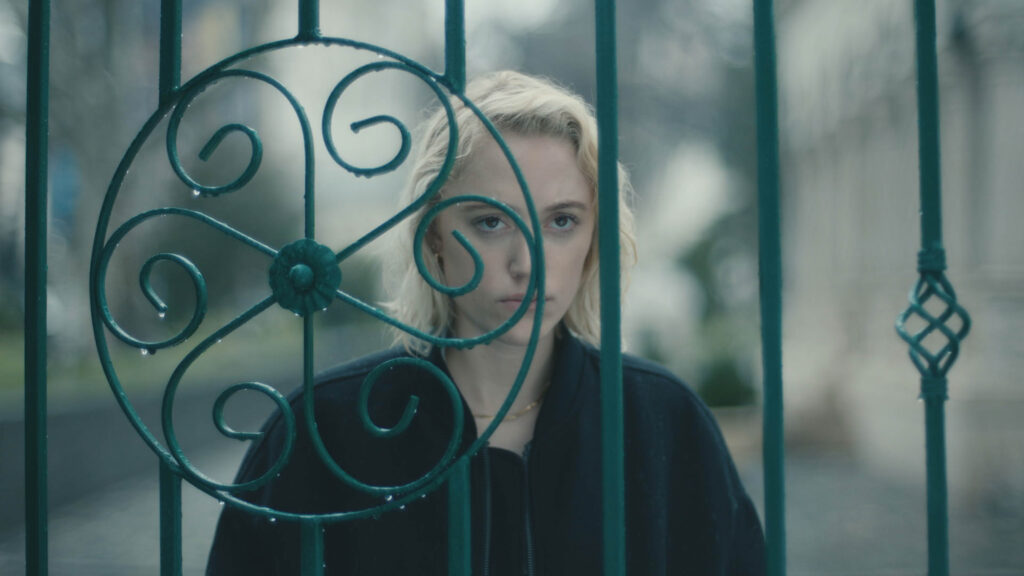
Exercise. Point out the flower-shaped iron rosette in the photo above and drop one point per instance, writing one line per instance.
(303, 277)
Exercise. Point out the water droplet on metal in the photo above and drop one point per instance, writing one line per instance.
(196, 193)
(161, 315)
(144, 351)
(273, 520)
(389, 498)
(402, 507)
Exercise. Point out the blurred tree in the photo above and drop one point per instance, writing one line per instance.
(104, 58)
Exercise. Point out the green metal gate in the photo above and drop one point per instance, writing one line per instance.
(297, 261)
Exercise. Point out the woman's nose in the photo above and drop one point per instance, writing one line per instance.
(520, 262)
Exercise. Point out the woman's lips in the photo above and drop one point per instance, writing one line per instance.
(517, 301)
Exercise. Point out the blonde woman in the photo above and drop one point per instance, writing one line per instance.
(535, 486)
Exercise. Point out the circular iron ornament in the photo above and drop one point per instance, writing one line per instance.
(304, 276)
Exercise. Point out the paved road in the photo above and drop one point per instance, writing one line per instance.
(842, 521)
(116, 532)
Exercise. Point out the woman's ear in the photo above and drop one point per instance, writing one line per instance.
(433, 241)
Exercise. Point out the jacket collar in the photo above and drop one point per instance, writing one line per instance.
(562, 399)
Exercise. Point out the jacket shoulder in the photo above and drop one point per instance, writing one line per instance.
(640, 375)
(332, 387)
(636, 368)
(655, 386)
(358, 368)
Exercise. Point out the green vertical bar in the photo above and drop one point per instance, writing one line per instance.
(612, 462)
(928, 126)
(455, 44)
(460, 550)
(170, 49)
(931, 260)
(935, 461)
(36, 143)
(312, 534)
(770, 265)
(309, 19)
(312, 553)
(170, 483)
(170, 521)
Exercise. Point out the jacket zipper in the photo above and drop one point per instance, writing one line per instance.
(528, 522)
(487, 511)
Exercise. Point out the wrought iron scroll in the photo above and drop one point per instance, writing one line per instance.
(303, 277)
(932, 288)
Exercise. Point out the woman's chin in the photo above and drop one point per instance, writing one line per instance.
(521, 333)
(518, 335)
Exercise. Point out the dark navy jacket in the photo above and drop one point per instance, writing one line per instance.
(686, 511)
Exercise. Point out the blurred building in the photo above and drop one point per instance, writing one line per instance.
(851, 231)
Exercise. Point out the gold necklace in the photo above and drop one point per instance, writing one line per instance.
(516, 415)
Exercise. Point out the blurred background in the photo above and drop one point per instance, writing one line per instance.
(854, 430)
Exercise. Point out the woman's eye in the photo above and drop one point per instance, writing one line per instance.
(562, 222)
(489, 223)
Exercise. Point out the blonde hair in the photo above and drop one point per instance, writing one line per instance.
(514, 103)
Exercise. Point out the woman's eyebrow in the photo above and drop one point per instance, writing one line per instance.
(472, 207)
(567, 205)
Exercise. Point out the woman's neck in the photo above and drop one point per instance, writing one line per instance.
(486, 373)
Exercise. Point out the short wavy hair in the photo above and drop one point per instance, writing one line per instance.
(524, 105)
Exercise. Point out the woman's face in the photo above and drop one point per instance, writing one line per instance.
(564, 203)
